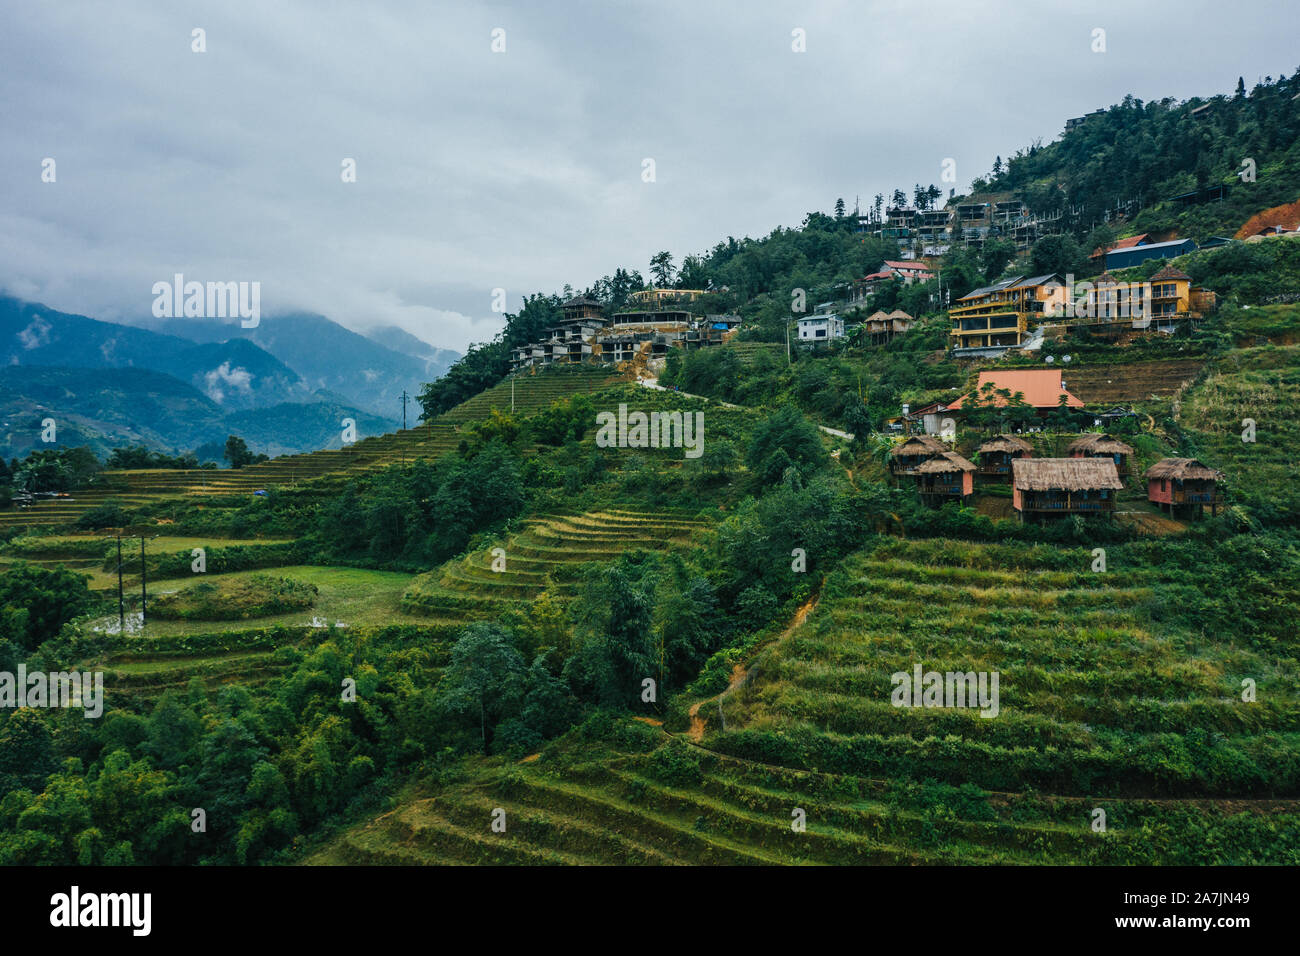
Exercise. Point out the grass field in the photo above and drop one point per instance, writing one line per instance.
(354, 596)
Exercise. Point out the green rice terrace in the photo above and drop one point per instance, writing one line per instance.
(545, 556)
(1100, 697)
(413, 640)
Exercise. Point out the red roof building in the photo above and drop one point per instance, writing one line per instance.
(1139, 240)
(1041, 388)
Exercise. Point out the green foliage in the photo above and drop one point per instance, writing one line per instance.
(424, 512)
(1157, 150)
(139, 456)
(237, 453)
(784, 440)
(109, 514)
(496, 698)
(56, 470)
(1060, 254)
(36, 602)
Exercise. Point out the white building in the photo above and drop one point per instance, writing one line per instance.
(821, 328)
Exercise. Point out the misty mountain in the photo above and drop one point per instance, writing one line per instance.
(234, 375)
(436, 360)
(106, 408)
(329, 357)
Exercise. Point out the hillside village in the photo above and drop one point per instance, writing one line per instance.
(1029, 434)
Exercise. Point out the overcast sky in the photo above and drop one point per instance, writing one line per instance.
(522, 170)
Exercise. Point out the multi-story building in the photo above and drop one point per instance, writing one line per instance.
(1001, 315)
(820, 328)
(569, 340)
(906, 271)
(1163, 302)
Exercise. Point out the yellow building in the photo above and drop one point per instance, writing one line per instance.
(1167, 294)
(1171, 292)
(1002, 314)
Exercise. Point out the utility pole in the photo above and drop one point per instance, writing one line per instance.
(144, 595)
(121, 612)
(399, 443)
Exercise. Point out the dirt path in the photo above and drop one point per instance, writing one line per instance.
(740, 673)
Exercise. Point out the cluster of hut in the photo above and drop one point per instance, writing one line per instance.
(1085, 482)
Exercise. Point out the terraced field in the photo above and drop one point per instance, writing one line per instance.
(1131, 382)
(532, 393)
(547, 553)
(165, 654)
(1094, 690)
(1262, 385)
(749, 352)
(1101, 707)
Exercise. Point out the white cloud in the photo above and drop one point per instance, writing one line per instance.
(222, 377)
(521, 170)
(36, 334)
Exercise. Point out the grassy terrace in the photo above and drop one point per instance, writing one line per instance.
(166, 655)
(353, 596)
(626, 807)
(548, 552)
(95, 555)
(1263, 385)
(1097, 697)
(1101, 706)
(533, 393)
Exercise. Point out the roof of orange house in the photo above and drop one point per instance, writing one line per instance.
(1041, 387)
(914, 265)
(1128, 243)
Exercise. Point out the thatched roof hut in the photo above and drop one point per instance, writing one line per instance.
(1065, 474)
(1098, 443)
(1183, 469)
(947, 463)
(918, 445)
(1006, 443)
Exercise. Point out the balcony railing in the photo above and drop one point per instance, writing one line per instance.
(941, 490)
(1066, 506)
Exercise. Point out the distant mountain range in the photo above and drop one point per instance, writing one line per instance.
(185, 384)
(327, 356)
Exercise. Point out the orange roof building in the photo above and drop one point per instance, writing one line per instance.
(1042, 388)
(1141, 239)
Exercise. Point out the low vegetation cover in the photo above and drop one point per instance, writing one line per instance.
(258, 595)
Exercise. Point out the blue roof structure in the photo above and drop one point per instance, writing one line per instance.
(1123, 258)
